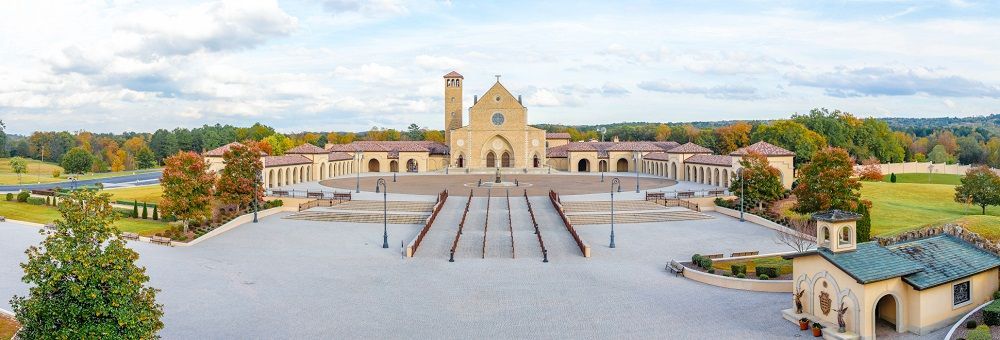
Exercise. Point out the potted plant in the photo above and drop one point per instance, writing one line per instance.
(803, 324)
(817, 329)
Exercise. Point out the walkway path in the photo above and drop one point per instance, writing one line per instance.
(437, 243)
(498, 242)
(558, 241)
(525, 241)
(470, 246)
(152, 177)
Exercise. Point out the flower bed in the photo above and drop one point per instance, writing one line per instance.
(777, 268)
(977, 319)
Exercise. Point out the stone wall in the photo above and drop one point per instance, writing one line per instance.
(922, 168)
(951, 229)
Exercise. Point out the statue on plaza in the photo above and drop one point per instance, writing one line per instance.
(840, 318)
(498, 175)
(798, 301)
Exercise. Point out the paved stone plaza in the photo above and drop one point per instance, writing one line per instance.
(566, 184)
(285, 278)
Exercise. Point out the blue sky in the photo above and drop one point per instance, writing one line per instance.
(349, 65)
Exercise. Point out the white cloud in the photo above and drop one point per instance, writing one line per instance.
(437, 63)
(728, 91)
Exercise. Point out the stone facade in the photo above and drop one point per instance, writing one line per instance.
(498, 135)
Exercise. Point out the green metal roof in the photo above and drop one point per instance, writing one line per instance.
(945, 258)
(923, 263)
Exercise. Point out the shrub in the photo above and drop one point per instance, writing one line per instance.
(980, 333)
(741, 276)
(706, 263)
(996, 294)
(37, 200)
(711, 270)
(135, 208)
(156, 214)
(971, 324)
(272, 204)
(726, 274)
(56, 173)
(10, 196)
(23, 196)
(739, 269)
(991, 314)
(47, 201)
(145, 211)
(767, 270)
(123, 212)
(696, 258)
(892, 177)
(763, 277)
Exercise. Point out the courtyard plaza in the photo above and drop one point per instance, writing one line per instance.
(286, 278)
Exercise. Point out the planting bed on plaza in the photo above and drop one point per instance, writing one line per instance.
(724, 267)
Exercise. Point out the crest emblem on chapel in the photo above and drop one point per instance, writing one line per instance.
(825, 302)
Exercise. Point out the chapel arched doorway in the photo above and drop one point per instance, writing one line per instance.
(373, 165)
(583, 166)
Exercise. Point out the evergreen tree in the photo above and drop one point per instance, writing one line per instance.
(135, 209)
(156, 214)
(83, 280)
(145, 214)
(892, 177)
(864, 225)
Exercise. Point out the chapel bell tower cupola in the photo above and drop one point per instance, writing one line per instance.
(452, 103)
(836, 230)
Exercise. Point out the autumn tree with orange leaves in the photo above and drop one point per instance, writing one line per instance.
(187, 187)
(239, 182)
(825, 183)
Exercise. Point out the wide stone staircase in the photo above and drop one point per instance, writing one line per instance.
(369, 211)
(599, 212)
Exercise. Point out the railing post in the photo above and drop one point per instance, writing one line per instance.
(545, 256)
(452, 256)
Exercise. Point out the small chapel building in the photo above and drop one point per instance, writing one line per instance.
(913, 286)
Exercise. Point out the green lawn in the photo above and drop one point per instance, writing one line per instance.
(897, 207)
(47, 214)
(926, 178)
(39, 172)
(145, 193)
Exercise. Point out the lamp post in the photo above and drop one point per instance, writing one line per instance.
(385, 211)
(742, 191)
(635, 159)
(360, 156)
(256, 204)
(614, 182)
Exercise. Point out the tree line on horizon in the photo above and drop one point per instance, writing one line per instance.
(942, 140)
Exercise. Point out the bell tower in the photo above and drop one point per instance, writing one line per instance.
(452, 104)
(836, 230)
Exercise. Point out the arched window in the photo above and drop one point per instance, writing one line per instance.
(491, 160)
(845, 235)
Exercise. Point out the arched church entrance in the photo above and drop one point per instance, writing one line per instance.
(583, 166)
(411, 166)
(491, 160)
(461, 161)
(535, 162)
(393, 166)
(887, 315)
(373, 165)
(622, 165)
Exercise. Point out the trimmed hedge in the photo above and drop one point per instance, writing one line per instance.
(767, 270)
(37, 201)
(738, 269)
(23, 196)
(123, 212)
(135, 202)
(991, 314)
(705, 263)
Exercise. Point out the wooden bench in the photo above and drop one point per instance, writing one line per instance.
(745, 253)
(160, 240)
(687, 194)
(130, 236)
(279, 193)
(713, 256)
(675, 267)
(716, 192)
(310, 194)
(654, 196)
(342, 196)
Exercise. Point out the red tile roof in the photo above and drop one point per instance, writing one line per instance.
(643, 146)
(339, 156)
(433, 148)
(719, 160)
(557, 135)
(453, 74)
(657, 156)
(557, 151)
(690, 148)
(219, 151)
(306, 149)
(272, 161)
(764, 148)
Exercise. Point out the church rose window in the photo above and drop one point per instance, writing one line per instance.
(498, 119)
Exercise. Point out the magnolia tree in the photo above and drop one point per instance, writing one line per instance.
(980, 186)
(825, 183)
(187, 187)
(83, 280)
(759, 182)
(239, 182)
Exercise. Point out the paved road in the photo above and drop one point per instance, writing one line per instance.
(144, 178)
